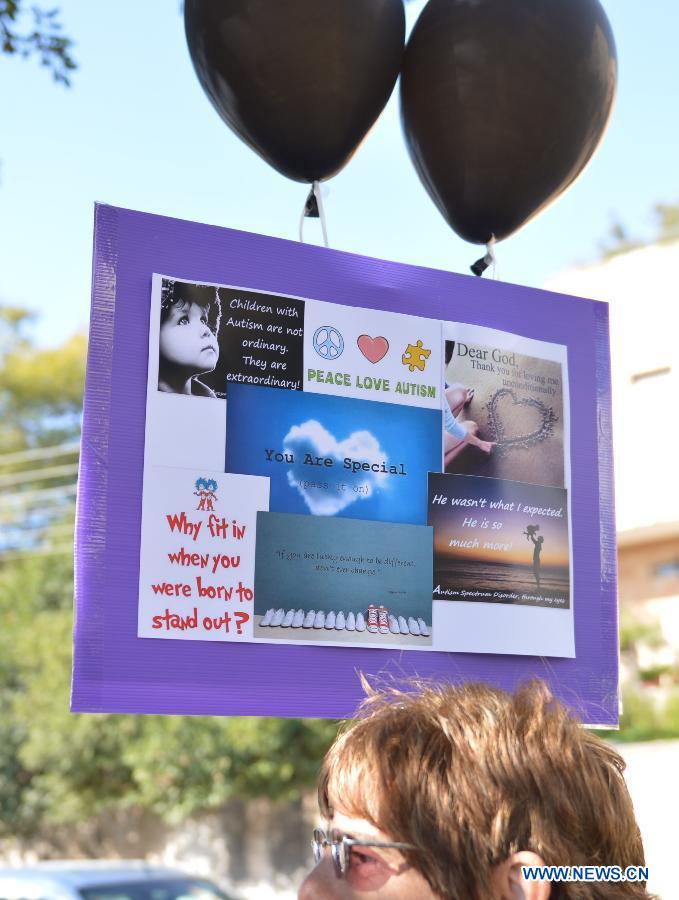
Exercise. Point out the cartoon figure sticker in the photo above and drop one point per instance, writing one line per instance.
(205, 489)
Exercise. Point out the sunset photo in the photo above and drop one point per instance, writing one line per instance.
(499, 541)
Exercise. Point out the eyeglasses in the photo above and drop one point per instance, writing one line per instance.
(340, 848)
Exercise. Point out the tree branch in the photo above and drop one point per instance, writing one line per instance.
(40, 36)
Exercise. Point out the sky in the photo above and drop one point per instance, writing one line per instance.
(135, 130)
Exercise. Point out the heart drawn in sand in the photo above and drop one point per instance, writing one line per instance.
(518, 423)
(374, 349)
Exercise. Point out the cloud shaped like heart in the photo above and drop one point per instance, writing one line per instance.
(312, 438)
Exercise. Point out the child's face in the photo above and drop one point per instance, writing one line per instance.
(186, 340)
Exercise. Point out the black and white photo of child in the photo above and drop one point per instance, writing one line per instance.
(188, 344)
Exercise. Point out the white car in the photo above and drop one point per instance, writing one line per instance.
(101, 880)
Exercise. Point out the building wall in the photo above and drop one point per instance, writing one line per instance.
(649, 571)
(648, 587)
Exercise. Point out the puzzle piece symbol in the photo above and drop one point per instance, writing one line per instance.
(415, 356)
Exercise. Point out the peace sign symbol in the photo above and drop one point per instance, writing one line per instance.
(328, 342)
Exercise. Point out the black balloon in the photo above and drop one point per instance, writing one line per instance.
(300, 81)
(503, 102)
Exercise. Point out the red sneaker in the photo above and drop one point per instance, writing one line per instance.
(372, 618)
(383, 619)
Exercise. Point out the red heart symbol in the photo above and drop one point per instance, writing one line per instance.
(374, 349)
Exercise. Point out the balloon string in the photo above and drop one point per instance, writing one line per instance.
(321, 211)
(301, 224)
(313, 209)
(489, 259)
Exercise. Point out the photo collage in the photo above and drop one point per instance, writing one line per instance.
(324, 474)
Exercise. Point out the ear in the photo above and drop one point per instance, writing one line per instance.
(509, 883)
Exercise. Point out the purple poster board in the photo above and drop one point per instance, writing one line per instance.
(116, 671)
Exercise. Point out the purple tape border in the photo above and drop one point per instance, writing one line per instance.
(114, 671)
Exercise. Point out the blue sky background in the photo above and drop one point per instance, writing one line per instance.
(136, 130)
(259, 418)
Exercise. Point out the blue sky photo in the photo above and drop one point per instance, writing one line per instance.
(281, 434)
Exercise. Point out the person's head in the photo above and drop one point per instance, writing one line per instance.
(189, 322)
(540, 539)
(476, 782)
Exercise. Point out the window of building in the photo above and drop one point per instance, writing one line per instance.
(667, 569)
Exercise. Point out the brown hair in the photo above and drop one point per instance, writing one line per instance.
(472, 774)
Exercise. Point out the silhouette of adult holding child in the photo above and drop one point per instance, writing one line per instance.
(537, 550)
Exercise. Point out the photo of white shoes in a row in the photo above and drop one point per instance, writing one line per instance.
(298, 618)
